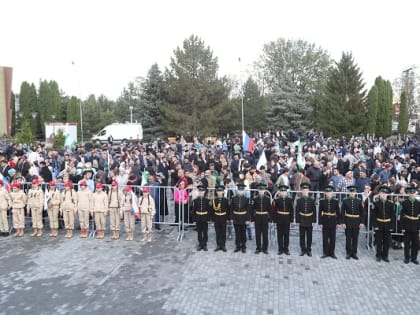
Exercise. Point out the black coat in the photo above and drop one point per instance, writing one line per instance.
(352, 213)
(329, 212)
(219, 211)
(283, 210)
(201, 209)
(410, 210)
(240, 210)
(383, 215)
(305, 211)
(261, 209)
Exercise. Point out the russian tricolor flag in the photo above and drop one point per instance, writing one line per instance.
(248, 143)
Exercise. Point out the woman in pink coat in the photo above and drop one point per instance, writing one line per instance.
(181, 201)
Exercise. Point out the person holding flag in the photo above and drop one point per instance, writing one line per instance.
(129, 210)
(52, 204)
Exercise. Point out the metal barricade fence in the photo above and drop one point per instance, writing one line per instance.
(169, 212)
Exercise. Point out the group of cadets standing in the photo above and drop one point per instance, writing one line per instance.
(351, 215)
(239, 210)
(117, 203)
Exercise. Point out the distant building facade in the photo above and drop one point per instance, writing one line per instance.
(5, 100)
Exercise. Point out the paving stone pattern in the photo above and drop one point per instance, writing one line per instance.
(89, 276)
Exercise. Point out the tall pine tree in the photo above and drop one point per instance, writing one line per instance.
(150, 107)
(194, 95)
(385, 108)
(403, 117)
(372, 104)
(342, 110)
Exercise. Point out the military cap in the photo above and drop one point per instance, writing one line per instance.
(220, 188)
(385, 189)
(261, 186)
(283, 187)
(241, 186)
(352, 188)
(329, 188)
(201, 188)
(411, 190)
(305, 186)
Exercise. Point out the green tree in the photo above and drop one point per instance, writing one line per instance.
(385, 108)
(295, 73)
(342, 110)
(49, 103)
(255, 107)
(151, 102)
(28, 105)
(25, 136)
(73, 113)
(59, 140)
(403, 117)
(372, 107)
(193, 92)
(288, 110)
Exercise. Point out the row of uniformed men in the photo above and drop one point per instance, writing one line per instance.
(241, 211)
(69, 203)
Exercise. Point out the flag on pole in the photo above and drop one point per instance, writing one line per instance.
(5, 181)
(247, 142)
(69, 142)
(134, 205)
(300, 159)
(47, 199)
(262, 161)
(143, 178)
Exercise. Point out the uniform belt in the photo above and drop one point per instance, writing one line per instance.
(306, 214)
(352, 215)
(261, 212)
(239, 212)
(220, 213)
(331, 214)
(283, 212)
(383, 220)
(201, 213)
(411, 218)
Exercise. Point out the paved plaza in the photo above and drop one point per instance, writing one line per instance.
(89, 276)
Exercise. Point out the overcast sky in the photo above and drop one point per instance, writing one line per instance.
(112, 42)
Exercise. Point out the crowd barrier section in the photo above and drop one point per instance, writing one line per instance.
(166, 207)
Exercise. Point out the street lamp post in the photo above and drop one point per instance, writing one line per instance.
(131, 113)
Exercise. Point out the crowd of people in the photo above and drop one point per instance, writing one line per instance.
(193, 175)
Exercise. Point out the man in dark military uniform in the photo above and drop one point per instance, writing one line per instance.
(283, 216)
(239, 210)
(201, 215)
(306, 218)
(353, 217)
(219, 215)
(328, 219)
(261, 209)
(383, 220)
(410, 219)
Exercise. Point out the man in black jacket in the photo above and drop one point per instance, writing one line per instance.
(283, 216)
(261, 210)
(410, 219)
